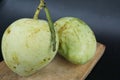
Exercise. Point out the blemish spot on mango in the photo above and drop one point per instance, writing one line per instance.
(33, 32)
(8, 31)
(44, 59)
(64, 27)
(30, 70)
(15, 59)
(48, 58)
(36, 30)
(14, 67)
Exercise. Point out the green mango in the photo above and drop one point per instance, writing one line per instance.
(77, 42)
(26, 46)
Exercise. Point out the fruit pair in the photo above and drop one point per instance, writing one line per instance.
(30, 44)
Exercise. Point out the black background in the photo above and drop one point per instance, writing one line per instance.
(103, 16)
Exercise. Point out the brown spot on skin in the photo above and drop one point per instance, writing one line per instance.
(14, 67)
(28, 71)
(44, 59)
(36, 30)
(15, 59)
(48, 58)
(8, 31)
(33, 32)
(62, 28)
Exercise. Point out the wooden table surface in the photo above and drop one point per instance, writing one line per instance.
(58, 69)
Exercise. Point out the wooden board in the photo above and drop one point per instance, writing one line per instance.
(58, 69)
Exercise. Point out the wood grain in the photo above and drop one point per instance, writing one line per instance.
(58, 69)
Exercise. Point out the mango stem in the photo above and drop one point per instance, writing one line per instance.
(51, 26)
(39, 8)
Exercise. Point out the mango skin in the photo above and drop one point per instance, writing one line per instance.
(77, 42)
(26, 46)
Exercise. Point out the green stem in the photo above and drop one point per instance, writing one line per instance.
(51, 26)
(39, 8)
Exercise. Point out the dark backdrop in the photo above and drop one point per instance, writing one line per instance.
(103, 16)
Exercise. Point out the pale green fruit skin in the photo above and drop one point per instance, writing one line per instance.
(26, 46)
(77, 42)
